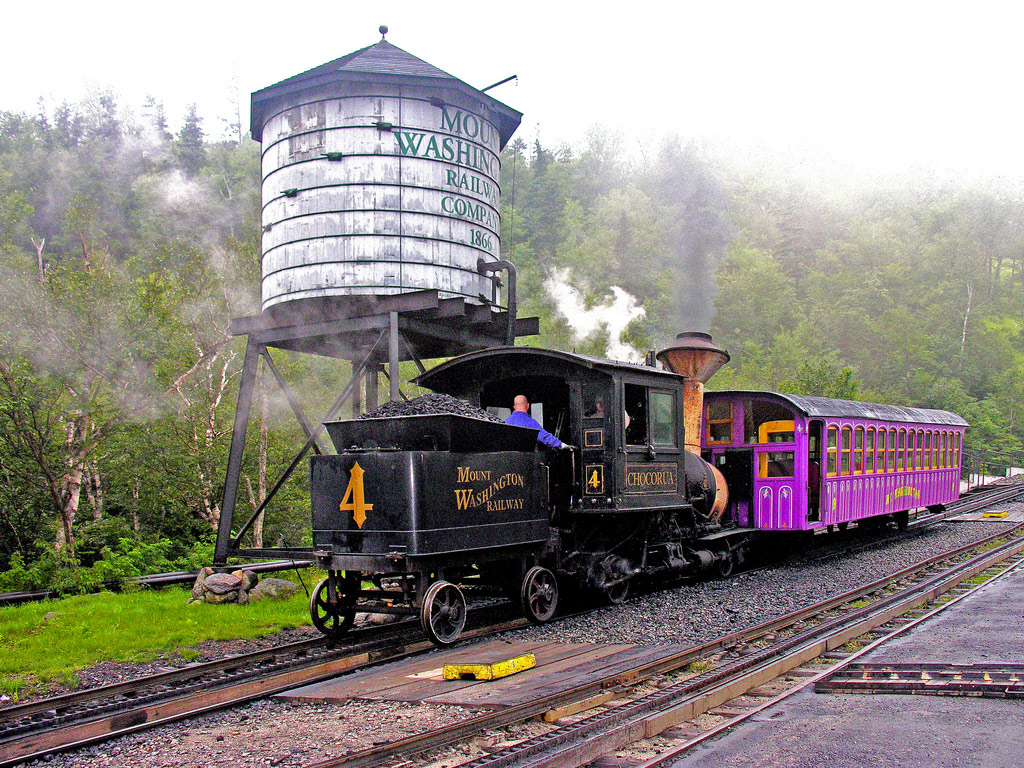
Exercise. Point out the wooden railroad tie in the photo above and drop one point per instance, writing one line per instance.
(489, 670)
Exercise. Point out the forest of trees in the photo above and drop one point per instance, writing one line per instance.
(126, 247)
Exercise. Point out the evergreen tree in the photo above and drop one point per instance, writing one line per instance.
(189, 149)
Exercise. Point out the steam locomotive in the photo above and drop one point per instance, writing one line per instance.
(414, 509)
(418, 505)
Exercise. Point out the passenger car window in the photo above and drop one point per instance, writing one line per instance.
(777, 464)
(719, 421)
(776, 432)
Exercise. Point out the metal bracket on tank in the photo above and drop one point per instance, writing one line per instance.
(487, 268)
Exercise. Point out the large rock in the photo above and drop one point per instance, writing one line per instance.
(273, 589)
(221, 583)
(249, 579)
(197, 587)
(211, 587)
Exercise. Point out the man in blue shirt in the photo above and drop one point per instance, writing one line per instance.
(521, 417)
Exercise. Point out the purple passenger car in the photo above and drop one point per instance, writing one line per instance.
(796, 463)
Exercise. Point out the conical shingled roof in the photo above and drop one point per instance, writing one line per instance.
(383, 61)
(382, 58)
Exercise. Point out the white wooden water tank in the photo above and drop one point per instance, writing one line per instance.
(381, 175)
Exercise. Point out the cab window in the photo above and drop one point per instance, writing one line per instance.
(649, 416)
(663, 418)
(595, 403)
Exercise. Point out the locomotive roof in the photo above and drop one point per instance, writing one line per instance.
(523, 357)
(854, 409)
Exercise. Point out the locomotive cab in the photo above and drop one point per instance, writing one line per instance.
(551, 407)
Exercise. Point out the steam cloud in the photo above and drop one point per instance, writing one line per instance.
(614, 313)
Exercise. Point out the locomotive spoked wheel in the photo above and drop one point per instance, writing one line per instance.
(443, 613)
(539, 594)
(335, 619)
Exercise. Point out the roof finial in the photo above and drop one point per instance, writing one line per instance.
(383, 29)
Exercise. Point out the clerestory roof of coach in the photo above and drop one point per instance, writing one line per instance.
(827, 407)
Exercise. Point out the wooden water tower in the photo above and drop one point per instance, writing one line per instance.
(381, 224)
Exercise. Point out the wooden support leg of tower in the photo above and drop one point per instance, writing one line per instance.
(393, 357)
(238, 434)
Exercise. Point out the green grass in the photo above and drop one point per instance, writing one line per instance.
(141, 626)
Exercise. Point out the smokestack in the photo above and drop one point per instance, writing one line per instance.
(695, 356)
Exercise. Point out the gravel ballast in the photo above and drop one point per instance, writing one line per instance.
(701, 612)
(270, 733)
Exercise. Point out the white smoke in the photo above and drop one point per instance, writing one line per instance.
(613, 312)
(181, 192)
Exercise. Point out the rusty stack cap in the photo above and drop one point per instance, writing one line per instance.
(695, 355)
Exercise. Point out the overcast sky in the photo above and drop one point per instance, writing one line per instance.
(881, 86)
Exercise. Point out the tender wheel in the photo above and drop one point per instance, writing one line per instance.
(335, 619)
(616, 594)
(725, 563)
(539, 594)
(443, 613)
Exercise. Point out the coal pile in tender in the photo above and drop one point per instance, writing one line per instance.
(430, 405)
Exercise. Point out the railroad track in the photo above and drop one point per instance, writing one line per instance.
(978, 500)
(80, 718)
(611, 714)
(59, 723)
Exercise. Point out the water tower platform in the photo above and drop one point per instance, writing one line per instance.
(375, 334)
